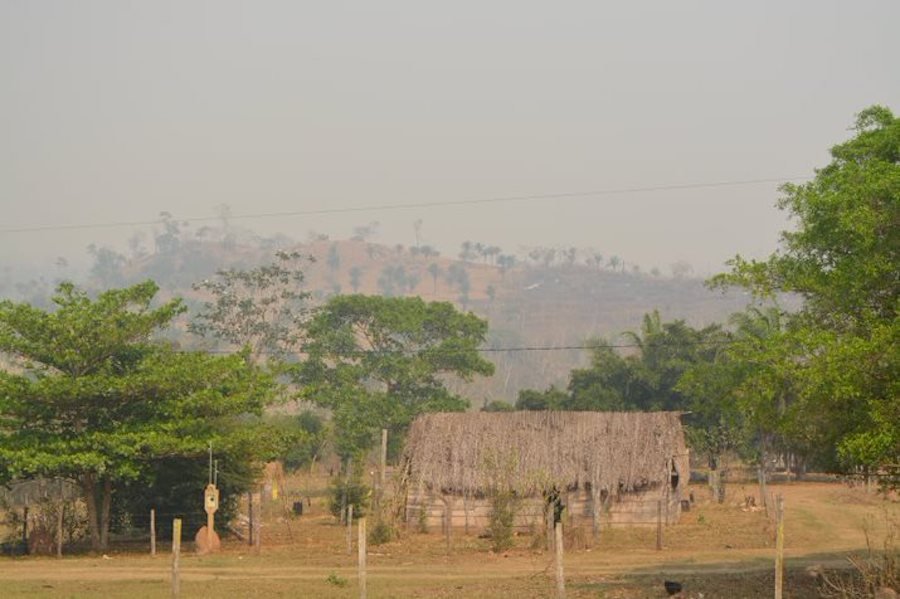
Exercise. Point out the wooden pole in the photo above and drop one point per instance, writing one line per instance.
(210, 523)
(362, 558)
(763, 494)
(257, 538)
(176, 556)
(779, 546)
(25, 529)
(447, 523)
(551, 518)
(560, 577)
(659, 525)
(381, 483)
(153, 532)
(466, 513)
(250, 517)
(59, 521)
(350, 529)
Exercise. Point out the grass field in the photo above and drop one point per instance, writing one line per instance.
(716, 550)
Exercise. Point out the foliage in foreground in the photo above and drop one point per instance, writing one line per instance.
(93, 400)
(841, 349)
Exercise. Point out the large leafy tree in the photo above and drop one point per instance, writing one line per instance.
(647, 378)
(842, 257)
(93, 399)
(261, 308)
(377, 362)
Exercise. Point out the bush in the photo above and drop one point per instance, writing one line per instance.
(381, 533)
(504, 505)
(342, 492)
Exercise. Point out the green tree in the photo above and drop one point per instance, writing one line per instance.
(95, 401)
(497, 405)
(646, 379)
(550, 399)
(263, 308)
(842, 258)
(377, 362)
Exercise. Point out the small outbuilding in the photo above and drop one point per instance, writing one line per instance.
(606, 468)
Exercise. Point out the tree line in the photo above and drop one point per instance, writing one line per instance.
(820, 385)
(93, 389)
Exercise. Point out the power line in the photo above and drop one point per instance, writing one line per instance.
(513, 349)
(410, 205)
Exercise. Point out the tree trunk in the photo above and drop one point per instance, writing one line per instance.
(98, 514)
(104, 514)
(88, 487)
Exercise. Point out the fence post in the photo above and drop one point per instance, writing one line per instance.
(59, 521)
(550, 519)
(659, 540)
(257, 537)
(779, 546)
(25, 529)
(176, 555)
(350, 529)
(560, 577)
(362, 558)
(448, 521)
(153, 532)
(250, 518)
(384, 439)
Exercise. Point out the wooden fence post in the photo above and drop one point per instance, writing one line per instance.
(763, 493)
(381, 482)
(250, 518)
(551, 519)
(362, 558)
(448, 521)
(350, 529)
(659, 542)
(779, 546)
(560, 577)
(257, 538)
(25, 529)
(153, 532)
(176, 555)
(59, 521)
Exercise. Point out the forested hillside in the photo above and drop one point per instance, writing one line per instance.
(542, 307)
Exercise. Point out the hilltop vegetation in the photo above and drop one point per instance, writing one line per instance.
(547, 298)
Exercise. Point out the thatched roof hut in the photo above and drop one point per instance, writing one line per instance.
(530, 452)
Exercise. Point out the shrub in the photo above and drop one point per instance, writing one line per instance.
(356, 494)
(504, 505)
(382, 532)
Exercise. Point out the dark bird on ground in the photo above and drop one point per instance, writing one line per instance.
(672, 587)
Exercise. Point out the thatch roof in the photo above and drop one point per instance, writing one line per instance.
(531, 452)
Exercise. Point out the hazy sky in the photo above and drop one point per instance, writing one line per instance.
(114, 111)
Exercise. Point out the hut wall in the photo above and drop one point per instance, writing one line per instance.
(473, 513)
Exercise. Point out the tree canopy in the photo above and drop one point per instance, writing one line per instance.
(842, 257)
(378, 362)
(93, 399)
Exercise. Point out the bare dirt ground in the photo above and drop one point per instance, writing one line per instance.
(716, 550)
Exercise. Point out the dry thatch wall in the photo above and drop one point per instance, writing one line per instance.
(529, 452)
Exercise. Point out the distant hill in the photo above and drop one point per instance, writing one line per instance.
(531, 305)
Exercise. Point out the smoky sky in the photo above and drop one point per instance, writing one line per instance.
(116, 111)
